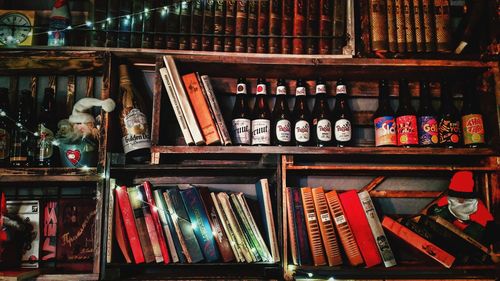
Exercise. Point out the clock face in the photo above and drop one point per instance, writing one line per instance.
(15, 28)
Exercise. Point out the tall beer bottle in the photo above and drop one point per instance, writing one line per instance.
(44, 150)
(261, 117)
(472, 119)
(5, 128)
(427, 121)
(136, 138)
(301, 116)
(322, 124)
(281, 117)
(342, 116)
(449, 120)
(240, 120)
(406, 117)
(384, 120)
(20, 154)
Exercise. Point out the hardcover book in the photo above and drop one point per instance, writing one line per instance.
(185, 25)
(167, 226)
(364, 26)
(264, 197)
(247, 232)
(443, 25)
(292, 227)
(409, 25)
(274, 26)
(208, 26)
(136, 24)
(339, 25)
(253, 8)
(156, 221)
(313, 231)
(300, 223)
(262, 26)
(429, 25)
(148, 25)
(110, 220)
(196, 24)
(230, 25)
(325, 27)
(286, 26)
(312, 30)
(378, 25)
(419, 25)
(124, 24)
(173, 19)
(219, 16)
(400, 25)
(241, 26)
(49, 233)
(176, 239)
(391, 26)
(120, 234)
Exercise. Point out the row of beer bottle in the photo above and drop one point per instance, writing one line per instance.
(298, 127)
(426, 127)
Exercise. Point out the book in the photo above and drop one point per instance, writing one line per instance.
(181, 95)
(264, 197)
(119, 231)
(246, 230)
(173, 21)
(429, 25)
(136, 24)
(174, 101)
(418, 242)
(112, 23)
(240, 43)
(253, 8)
(326, 227)
(124, 24)
(160, 23)
(343, 229)
(262, 26)
(162, 243)
(129, 223)
(230, 26)
(176, 239)
(185, 25)
(209, 94)
(378, 25)
(443, 25)
(364, 26)
(391, 26)
(148, 25)
(292, 227)
(110, 220)
(166, 224)
(400, 25)
(197, 12)
(48, 239)
(339, 26)
(286, 26)
(419, 25)
(325, 27)
(202, 229)
(219, 16)
(99, 34)
(312, 31)
(275, 26)
(358, 222)
(409, 25)
(378, 232)
(19, 274)
(300, 223)
(208, 26)
(313, 230)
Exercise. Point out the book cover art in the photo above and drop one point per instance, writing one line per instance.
(49, 231)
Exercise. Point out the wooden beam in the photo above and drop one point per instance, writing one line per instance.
(404, 194)
(70, 94)
(373, 184)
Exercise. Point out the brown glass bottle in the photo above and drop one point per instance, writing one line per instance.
(383, 118)
(261, 116)
(342, 116)
(5, 128)
(427, 121)
(241, 125)
(406, 117)
(45, 153)
(322, 124)
(472, 119)
(449, 120)
(21, 150)
(282, 127)
(301, 116)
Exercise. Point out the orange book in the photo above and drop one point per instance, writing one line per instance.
(200, 108)
(326, 226)
(313, 230)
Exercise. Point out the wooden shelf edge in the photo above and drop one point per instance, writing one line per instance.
(67, 277)
(48, 174)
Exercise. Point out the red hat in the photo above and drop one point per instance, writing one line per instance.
(462, 185)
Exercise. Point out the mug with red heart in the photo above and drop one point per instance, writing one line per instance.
(78, 154)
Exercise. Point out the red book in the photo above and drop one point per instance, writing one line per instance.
(120, 235)
(241, 26)
(262, 26)
(325, 27)
(253, 7)
(157, 223)
(230, 25)
(129, 222)
(312, 27)
(274, 26)
(361, 229)
(299, 15)
(286, 26)
(49, 237)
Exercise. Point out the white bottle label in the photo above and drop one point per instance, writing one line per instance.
(241, 131)
(320, 89)
(261, 133)
(341, 89)
(261, 89)
(342, 130)
(324, 130)
(281, 90)
(284, 130)
(241, 88)
(302, 131)
(300, 91)
(137, 131)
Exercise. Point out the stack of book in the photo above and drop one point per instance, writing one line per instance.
(192, 225)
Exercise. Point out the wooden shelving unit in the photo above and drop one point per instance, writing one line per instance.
(49, 175)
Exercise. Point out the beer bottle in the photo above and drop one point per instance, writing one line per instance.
(384, 121)
(281, 117)
(301, 116)
(20, 154)
(472, 119)
(342, 116)
(427, 122)
(136, 138)
(261, 117)
(322, 124)
(406, 117)
(44, 151)
(5, 128)
(240, 120)
(449, 120)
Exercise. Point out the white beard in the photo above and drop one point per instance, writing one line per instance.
(462, 208)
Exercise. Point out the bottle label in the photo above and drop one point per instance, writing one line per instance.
(385, 131)
(473, 129)
(343, 130)
(241, 88)
(4, 144)
(281, 90)
(284, 130)
(302, 131)
(261, 131)
(241, 131)
(427, 130)
(449, 132)
(261, 89)
(300, 91)
(44, 146)
(324, 130)
(407, 130)
(137, 131)
(341, 89)
(320, 89)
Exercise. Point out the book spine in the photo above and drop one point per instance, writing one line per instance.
(99, 35)
(312, 30)
(418, 242)
(429, 25)
(360, 228)
(325, 27)
(136, 24)
(211, 109)
(327, 229)
(364, 26)
(275, 26)
(219, 119)
(241, 26)
(160, 24)
(419, 25)
(184, 251)
(391, 26)
(299, 16)
(208, 26)
(176, 106)
(443, 25)
(156, 221)
(378, 25)
(196, 24)
(305, 252)
(377, 230)
(230, 25)
(292, 227)
(248, 235)
(112, 24)
(262, 26)
(451, 227)
(48, 249)
(177, 237)
(164, 218)
(339, 25)
(263, 194)
(110, 220)
(313, 231)
(345, 233)
(201, 110)
(148, 25)
(409, 25)
(219, 30)
(173, 21)
(400, 26)
(184, 25)
(286, 26)
(120, 233)
(253, 8)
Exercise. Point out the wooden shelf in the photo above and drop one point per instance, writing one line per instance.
(48, 174)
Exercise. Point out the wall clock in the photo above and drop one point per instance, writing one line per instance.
(16, 27)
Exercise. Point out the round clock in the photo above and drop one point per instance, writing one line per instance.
(15, 28)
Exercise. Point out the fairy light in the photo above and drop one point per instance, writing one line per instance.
(88, 23)
(310, 274)
(331, 279)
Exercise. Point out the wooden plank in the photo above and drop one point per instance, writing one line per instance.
(155, 123)
(391, 168)
(404, 194)
(53, 83)
(70, 94)
(67, 277)
(89, 90)
(373, 184)
(33, 86)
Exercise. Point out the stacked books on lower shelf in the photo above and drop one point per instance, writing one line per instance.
(192, 225)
